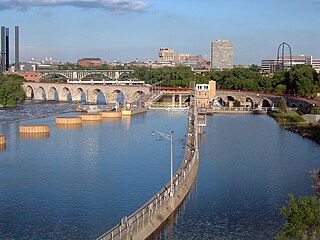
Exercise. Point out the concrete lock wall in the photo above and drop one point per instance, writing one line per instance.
(115, 114)
(90, 117)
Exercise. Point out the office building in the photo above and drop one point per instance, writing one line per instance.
(168, 55)
(221, 55)
(7, 50)
(270, 66)
(16, 48)
(3, 49)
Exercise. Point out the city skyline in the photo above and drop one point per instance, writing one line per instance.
(125, 29)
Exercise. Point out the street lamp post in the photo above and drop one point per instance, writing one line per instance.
(169, 137)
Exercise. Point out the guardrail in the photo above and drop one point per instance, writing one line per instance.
(249, 109)
(127, 224)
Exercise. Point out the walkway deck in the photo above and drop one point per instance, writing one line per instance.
(147, 219)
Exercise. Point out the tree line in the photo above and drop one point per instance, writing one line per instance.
(300, 80)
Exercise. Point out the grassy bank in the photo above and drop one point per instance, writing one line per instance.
(295, 123)
(287, 118)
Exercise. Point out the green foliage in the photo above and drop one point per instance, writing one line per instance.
(302, 80)
(286, 118)
(315, 110)
(302, 219)
(167, 76)
(282, 105)
(280, 89)
(11, 91)
(254, 68)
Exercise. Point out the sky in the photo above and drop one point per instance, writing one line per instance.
(126, 30)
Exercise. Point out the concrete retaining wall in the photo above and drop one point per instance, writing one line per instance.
(133, 111)
(115, 114)
(90, 117)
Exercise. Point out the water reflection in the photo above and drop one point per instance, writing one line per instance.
(3, 147)
(69, 126)
(91, 122)
(34, 135)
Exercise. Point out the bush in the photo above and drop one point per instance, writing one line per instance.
(302, 218)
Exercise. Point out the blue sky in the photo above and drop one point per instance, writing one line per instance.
(130, 29)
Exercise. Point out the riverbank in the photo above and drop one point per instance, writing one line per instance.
(295, 123)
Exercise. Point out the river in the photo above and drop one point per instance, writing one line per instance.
(248, 165)
(78, 183)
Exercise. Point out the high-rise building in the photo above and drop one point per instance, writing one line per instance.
(3, 49)
(16, 49)
(221, 54)
(7, 50)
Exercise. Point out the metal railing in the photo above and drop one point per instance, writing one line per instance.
(127, 224)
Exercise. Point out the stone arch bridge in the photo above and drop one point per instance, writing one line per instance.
(74, 92)
(256, 99)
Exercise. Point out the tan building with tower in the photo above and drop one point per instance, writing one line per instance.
(205, 94)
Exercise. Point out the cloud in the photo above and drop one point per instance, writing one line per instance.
(115, 6)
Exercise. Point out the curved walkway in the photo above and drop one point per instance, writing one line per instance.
(147, 219)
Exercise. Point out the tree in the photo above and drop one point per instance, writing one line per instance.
(11, 91)
(280, 89)
(302, 80)
(302, 219)
(316, 181)
(255, 68)
(282, 105)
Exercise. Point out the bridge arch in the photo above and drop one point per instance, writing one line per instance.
(53, 94)
(221, 102)
(29, 92)
(65, 94)
(249, 99)
(40, 94)
(230, 98)
(123, 75)
(108, 78)
(266, 103)
(79, 95)
(137, 95)
(117, 96)
(44, 75)
(93, 96)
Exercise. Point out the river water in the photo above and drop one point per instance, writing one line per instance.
(78, 183)
(248, 165)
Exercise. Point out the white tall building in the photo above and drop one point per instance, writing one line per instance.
(221, 54)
